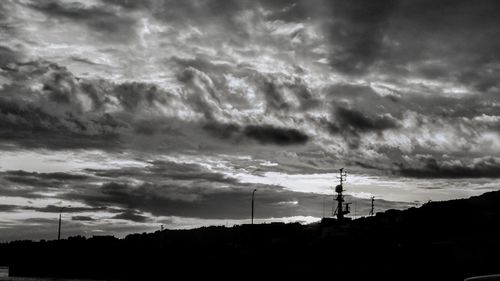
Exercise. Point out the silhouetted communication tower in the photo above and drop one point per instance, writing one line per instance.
(342, 208)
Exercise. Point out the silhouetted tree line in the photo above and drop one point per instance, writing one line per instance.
(448, 240)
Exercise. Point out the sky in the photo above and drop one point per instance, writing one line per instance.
(137, 114)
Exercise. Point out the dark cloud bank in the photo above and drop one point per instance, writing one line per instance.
(428, 167)
(168, 189)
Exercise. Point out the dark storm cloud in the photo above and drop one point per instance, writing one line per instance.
(69, 112)
(180, 189)
(428, 167)
(30, 181)
(357, 121)
(32, 184)
(294, 11)
(452, 107)
(26, 115)
(187, 171)
(421, 38)
(53, 115)
(105, 22)
(351, 123)
(43, 221)
(7, 56)
(59, 176)
(130, 4)
(82, 218)
(8, 189)
(67, 209)
(167, 189)
(441, 52)
(171, 189)
(443, 25)
(62, 141)
(131, 216)
(193, 201)
(275, 135)
(41, 180)
(357, 32)
(367, 103)
(84, 60)
(8, 208)
(6, 26)
(161, 170)
(222, 130)
(262, 134)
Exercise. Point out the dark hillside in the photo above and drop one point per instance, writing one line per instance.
(447, 240)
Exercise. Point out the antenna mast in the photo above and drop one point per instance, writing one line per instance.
(342, 208)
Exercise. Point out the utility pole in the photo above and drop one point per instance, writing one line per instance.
(253, 195)
(355, 207)
(373, 205)
(161, 236)
(59, 231)
(323, 206)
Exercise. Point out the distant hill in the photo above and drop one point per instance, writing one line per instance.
(448, 240)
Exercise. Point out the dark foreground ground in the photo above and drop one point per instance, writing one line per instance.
(448, 240)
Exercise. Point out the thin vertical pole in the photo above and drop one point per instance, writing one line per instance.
(355, 207)
(253, 195)
(372, 209)
(323, 206)
(59, 230)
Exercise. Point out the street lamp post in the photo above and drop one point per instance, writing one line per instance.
(59, 230)
(60, 218)
(253, 195)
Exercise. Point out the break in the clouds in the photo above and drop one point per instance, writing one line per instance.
(141, 113)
